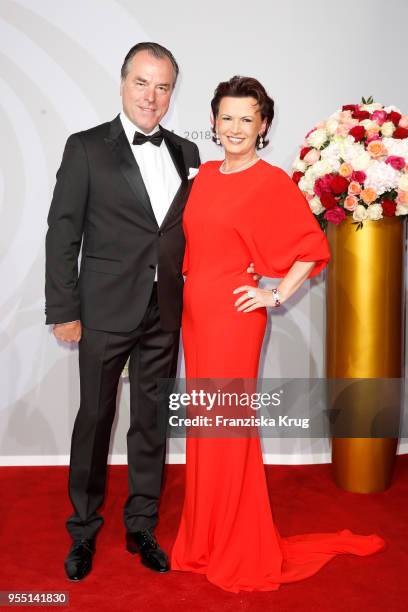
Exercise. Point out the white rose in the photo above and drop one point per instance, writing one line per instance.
(360, 213)
(402, 209)
(371, 107)
(361, 162)
(299, 165)
(396, 146)
(336, 115)
(306, 184)
(403, 182)
(368, 124)
(350, 150)
(381, 177)
(332, 125)
(387, 128)
(320, 168)
(317, 138)
(316, 206)
(390, 109)
(375, 212)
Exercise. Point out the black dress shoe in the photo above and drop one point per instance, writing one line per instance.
(78, 564)
(145, 543)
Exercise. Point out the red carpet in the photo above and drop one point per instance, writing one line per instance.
(34, 505)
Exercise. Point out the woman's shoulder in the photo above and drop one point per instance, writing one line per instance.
(212, 164)
(274, 171)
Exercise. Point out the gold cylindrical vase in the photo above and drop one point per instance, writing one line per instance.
(365, 328)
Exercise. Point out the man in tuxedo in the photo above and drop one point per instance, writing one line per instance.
(120, 192)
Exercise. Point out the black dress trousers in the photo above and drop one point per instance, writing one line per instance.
(102, 356)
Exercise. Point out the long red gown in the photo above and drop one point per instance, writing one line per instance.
(227, 530)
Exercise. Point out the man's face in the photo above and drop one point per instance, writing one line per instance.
(147, 89)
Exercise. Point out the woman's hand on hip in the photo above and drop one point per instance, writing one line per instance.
(253, 298)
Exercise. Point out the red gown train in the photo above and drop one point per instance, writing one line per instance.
(227, 530)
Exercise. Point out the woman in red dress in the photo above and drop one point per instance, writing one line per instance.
(243, 210)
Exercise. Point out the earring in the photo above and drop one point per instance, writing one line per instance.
(217, 139)
(260, 144)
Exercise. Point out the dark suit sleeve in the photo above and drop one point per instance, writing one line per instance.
(64, 235)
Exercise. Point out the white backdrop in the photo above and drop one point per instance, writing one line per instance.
(60, 62)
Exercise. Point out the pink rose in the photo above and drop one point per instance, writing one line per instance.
(312, 156)
(335, 215)
(402, 197)
(350, 202)
(350, 122)
(403, 122)
(371, 137)
(354, 188)
(397, 162)
(342, 130)
(345, 115)
(359, 176)
(379, 116)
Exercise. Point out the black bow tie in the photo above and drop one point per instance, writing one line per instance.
(156, 138)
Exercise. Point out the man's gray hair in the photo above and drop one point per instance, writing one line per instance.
(154, 49)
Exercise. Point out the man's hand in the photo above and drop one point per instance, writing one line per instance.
(68, 332)
(251, 270)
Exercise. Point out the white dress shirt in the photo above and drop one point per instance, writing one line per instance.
(159, 174)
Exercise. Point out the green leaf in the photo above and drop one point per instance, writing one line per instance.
(359, 225)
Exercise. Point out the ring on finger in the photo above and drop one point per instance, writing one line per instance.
(251, 293)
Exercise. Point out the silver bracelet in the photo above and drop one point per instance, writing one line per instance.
(276, 296)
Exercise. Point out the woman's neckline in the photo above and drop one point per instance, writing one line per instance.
(238, 171)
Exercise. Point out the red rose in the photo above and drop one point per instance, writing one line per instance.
(296, 176)
(359, 176)
(357, 132)
(322, 184)
(360, 115)
(304, 152)
(350, 107)
(338, 184)
(328, 200)
(394, 117)
(389, 207)
(401, 133)
(335, 215)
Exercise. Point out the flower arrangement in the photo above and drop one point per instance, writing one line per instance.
(356, 163)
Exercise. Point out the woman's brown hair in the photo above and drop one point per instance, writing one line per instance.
(244, 87)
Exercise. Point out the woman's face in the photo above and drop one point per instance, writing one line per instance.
(238, 124)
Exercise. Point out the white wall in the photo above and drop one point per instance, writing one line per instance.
(60, 63)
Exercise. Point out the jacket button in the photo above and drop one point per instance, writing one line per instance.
(160, 233)
(152, 266)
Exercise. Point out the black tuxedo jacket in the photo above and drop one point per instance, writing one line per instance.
(100, 201)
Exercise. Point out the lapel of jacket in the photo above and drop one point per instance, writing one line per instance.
(176, 153)
(120, 147)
